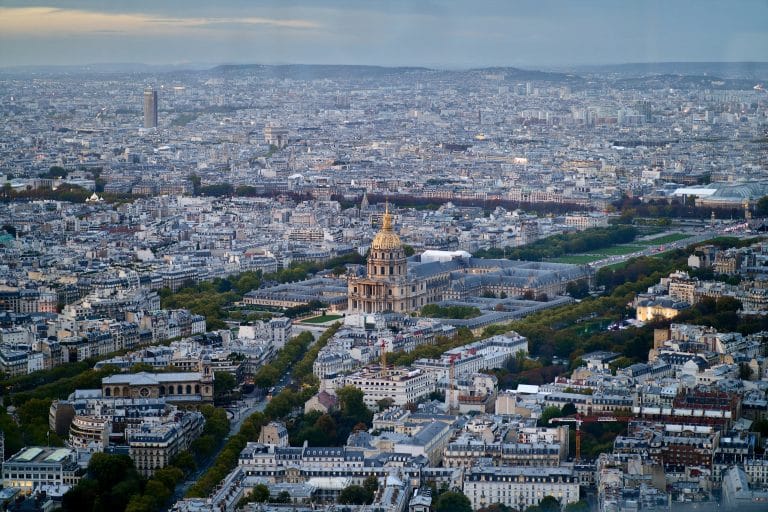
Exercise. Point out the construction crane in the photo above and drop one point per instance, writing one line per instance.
(578, 419)
(383, 358)
(452, 383)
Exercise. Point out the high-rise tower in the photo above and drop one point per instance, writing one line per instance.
(150, 108)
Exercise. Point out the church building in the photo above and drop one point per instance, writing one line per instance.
(386, 286)
(395, 284)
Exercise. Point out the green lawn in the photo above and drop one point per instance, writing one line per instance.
(598, 254)
(321, 319)
(666, 239)
(577, 259)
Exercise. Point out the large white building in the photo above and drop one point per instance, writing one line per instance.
(401, 385)
(481, 355)
(276, 330)
(37, 466)
(519, 487)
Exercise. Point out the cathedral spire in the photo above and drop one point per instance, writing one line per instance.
(386, 238)
(386, 221)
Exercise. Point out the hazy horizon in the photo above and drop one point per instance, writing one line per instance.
(211, 65)
(447, 34)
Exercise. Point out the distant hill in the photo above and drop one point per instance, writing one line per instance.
(524, 75)
(315, 71)
(671, 74)
(743, 70)
(101, 68)
(680, 81)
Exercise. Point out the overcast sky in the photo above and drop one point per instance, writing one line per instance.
(438, 33)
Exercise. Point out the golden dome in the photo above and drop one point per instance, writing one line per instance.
(386, 239)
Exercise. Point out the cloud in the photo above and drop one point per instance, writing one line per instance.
(453, 33)
(49, 21)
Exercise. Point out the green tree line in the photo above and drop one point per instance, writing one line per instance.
(278, 408)
(564, 244)
(302, 371)
(293, 351)
(435, 311)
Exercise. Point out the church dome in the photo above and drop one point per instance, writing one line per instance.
(386, 239)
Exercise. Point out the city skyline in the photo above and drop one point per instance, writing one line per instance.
(445, 34)
(413, 256)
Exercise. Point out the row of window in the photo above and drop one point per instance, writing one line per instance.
(178, 390)
(383, 270)
(35, 476)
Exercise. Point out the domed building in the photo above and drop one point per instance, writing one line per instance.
(394, 284)
(386, 286)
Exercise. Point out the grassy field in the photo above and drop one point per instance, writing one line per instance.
(321, 319)
(667, 239)
(618, 250)
(598, 254)
(577, 259)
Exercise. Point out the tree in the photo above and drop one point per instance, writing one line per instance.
(569, 409)
(548, 413)
(352, 406)
(761, 210)
(203, 446)
(579, 506)
(109, 470)
(371, 484)
(158, 491)
(55, 171)
(283, 497)
(761, 427)
(459, 312)
(327, 426)
(549, 504)
(260, 494)
(138, 503)
(384, 403)
(355, 495)
(745, 372)
(266, 376)
(577, 289)
(453, 502)
(81, 497)
(169, 476)
(195, 180)
(223, 383)
(497, 507)
(112, 482)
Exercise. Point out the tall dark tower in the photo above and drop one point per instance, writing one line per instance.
(150, 108)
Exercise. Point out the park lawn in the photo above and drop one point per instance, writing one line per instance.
(321, 319)
(577, 259)
(598, 254)
(666, 239)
